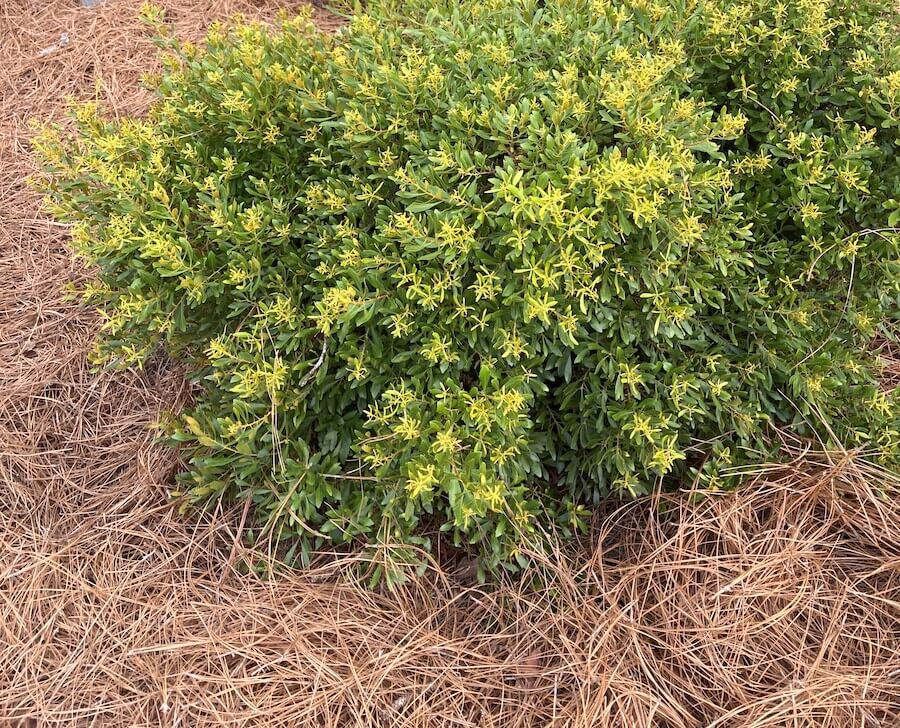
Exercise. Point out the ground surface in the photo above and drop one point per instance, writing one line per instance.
(776, 607)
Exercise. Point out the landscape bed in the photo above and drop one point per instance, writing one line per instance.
(773, 606)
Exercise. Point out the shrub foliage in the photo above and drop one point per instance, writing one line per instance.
(495, 259)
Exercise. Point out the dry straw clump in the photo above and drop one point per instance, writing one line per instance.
(776, 606)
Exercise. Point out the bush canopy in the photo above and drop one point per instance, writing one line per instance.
(471, 266)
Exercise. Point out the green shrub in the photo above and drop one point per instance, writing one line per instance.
(500, 258)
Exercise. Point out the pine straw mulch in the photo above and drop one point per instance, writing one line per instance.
(777, 606)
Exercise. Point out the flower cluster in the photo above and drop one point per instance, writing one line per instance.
(462, 265)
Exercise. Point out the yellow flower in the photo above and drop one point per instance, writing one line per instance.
(272, 133)
(569, 324)
(814, 384)
(218, 349)
(665, 457)
(761, 162)
(421, 481)
(864, 321)
(809, 212)
(644, 210)
(490, 491)
(850, 178)
(439, 350)
(252, 219)
(357, 370)
(861, 62)
(446, 442)
(795, 141)
(880, 402)
(275, 376)
(853, 366)
(235, 101)
(387, 159)
(512, 346)
(486, 285)
(511, 401)
(539, 307)
(641, 426)
(731, 125)
(408, 427)
(498, 53)
(630, 376)
(689, 229)
(480, 412)
(717, 387)
(335, 302)
(801, 317)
